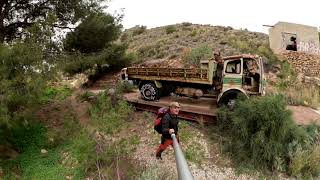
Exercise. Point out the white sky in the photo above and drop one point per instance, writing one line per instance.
(250, 14)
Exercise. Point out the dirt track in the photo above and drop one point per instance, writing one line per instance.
(305, 115)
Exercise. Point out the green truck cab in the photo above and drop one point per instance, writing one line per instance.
(222, 78)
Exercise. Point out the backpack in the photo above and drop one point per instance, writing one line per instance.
(158, 123)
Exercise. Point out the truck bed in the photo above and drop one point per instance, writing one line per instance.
(190, 75)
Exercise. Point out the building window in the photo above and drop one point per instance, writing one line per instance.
(289, 41)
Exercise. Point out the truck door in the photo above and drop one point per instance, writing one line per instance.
(232, 74)
(263, 81)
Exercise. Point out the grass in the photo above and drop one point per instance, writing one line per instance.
(55, 93)
(195, 152)
(107, 117)
(32, 164)
(302, 95)
(297, 93)
(156, 173)
(71, 151)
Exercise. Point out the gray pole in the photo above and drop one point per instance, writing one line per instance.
(182, 166)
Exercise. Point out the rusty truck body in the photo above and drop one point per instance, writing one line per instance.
(224, 78)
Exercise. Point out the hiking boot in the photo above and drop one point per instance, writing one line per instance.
(158, 156)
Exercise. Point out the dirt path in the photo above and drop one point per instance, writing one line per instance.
(305, 115)
(206, 169)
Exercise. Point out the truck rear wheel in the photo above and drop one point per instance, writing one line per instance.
(149, 92)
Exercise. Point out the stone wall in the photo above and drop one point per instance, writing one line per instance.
(303, 63)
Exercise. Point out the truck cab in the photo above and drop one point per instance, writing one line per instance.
(242, 74)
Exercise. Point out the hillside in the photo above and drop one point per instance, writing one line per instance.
(174, 41)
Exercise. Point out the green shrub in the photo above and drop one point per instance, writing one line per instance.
(108, 115)
(262, 133)
(171, 29)
(22, 80)
(265, 51)
(193, 33)
(201, 52)
(139, 30)
(112, 57)
(185, 24)
(125, 87)
(32, 136)
(154, 50)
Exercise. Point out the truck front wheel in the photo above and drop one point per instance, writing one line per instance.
(149, 92)
(229, 98)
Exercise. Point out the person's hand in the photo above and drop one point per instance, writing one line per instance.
(171, 131)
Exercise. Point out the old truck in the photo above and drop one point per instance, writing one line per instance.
(223, 78)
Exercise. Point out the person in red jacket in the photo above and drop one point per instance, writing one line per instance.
(170, 123)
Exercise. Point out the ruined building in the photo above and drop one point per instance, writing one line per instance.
(294, 37)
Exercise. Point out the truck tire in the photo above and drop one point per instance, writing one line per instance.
(149, 92)
(229, 99)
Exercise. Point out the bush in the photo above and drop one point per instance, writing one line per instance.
(186, 24)
(125, 87)
(139, 30)
(196, 55)
(22, 80)
(262, 133)
(109, 113)
(113, 57)
(171, 29)
(193, 33)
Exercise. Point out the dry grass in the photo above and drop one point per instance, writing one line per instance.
(306, 163)
(303, 95)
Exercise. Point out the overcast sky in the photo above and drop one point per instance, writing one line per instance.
(250, 14)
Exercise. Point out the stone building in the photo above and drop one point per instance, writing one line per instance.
(295, 37)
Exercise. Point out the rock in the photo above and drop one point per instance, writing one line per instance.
(312, 80)
(79, 80)
(300, 77)
(43, 151)
(111, 91)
